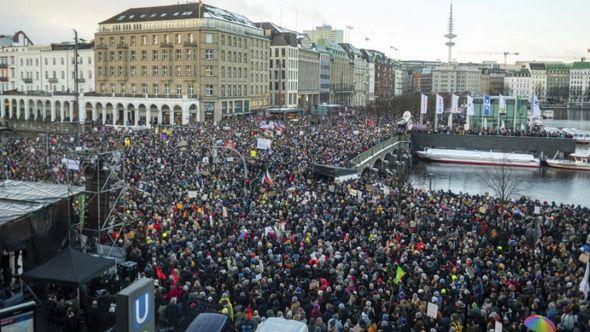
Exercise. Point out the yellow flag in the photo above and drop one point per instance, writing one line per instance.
(127, 141)
(253, 153)
(399, 274)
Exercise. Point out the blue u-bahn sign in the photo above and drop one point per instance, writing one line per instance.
(135, 307)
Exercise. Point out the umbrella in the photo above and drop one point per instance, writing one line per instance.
(539, 323)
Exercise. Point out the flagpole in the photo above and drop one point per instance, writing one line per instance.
(514, 115)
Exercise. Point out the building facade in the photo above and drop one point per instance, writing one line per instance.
(518, 84)
(558, 83)
(492, 81)
(325, 32)
(189, 50)
(48, 68)
(360, 75)
(538, 80)
(308, 75)
(579, 94)
(458, 79)
(325, 73)
(341, 73)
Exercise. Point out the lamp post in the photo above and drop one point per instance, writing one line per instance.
(430, 175)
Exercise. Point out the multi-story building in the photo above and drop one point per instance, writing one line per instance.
(384, 74)
(325, 32)
(284, 64)
(341, 75)
(325, 73)
(558, 83)
(518, 84)
(492, 81)
(370, 87)
(308, 74)
(579, 93)
(361, 73)
(192, 50)
(401, 81)
(538, 80)
(426, 80)
(48, 68)
(455, 78)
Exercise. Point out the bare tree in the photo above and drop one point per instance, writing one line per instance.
(503, 183)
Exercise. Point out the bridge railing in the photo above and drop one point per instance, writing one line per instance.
(365, 157)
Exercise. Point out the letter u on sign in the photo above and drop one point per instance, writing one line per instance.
(141, 311)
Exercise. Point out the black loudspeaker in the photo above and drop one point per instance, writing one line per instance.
(97, 198)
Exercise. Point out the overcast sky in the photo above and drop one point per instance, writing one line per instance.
(554, 30)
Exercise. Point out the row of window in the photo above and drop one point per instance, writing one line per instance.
(232, 72)
(165, 89)
(29, 75)
(155, 56)
(29, 61)
(155, 39)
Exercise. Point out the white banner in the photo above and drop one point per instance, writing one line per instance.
(440, 104)
(265, 125)
(536, 107)
(263, 144)
(502, 103)
(73, 165)
(423, 104)
(455, 104)
(470, 108)
(432, 310)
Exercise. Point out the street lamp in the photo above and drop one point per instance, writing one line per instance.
(430, 175)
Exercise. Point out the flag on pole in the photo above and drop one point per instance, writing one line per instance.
(502, 104)
(267, 179)
(399, 274)
(584, 285)
(440, 104)
(470, 109)
(536, 107)
(454, 104)
(423, 104)
(487, 106)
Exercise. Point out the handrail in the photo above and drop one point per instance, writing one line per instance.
(366, 156)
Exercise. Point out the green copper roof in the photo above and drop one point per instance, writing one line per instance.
(581, 65)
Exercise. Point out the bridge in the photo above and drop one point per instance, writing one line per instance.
(389, 154)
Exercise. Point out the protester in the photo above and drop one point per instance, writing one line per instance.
(366, 254)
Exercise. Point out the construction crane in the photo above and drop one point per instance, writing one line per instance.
(505, 54)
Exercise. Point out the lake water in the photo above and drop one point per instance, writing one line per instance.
(545, 184)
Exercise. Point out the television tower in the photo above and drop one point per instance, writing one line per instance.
(451, 35)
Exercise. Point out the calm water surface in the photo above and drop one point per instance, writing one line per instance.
(545, 184)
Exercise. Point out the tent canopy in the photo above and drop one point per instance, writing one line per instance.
(70, 267)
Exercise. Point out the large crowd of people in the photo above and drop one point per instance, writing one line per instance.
(367, 254)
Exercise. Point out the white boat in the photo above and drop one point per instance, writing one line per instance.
(581, 137)
(578, 162)
(481, 158)
(548, 114)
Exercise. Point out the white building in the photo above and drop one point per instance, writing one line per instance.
(538, 80)
(579, 93)
(325, 32)
(453, 78)
(48, 68)
(518, 84)
(401, 79)
(370, 93)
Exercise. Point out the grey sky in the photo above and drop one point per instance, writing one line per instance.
(538, 29)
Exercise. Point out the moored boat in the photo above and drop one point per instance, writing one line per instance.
(577, 162)
(581, 137)
(481, 158)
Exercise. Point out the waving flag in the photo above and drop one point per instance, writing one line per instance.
(423, 104)
(455, 104)
(267, 179)
(487, 106)
(470, 109)
(399, 274)
(440, 104)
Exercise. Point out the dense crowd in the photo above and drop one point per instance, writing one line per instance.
(367, 254)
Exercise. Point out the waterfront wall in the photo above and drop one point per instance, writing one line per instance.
(536, 145)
